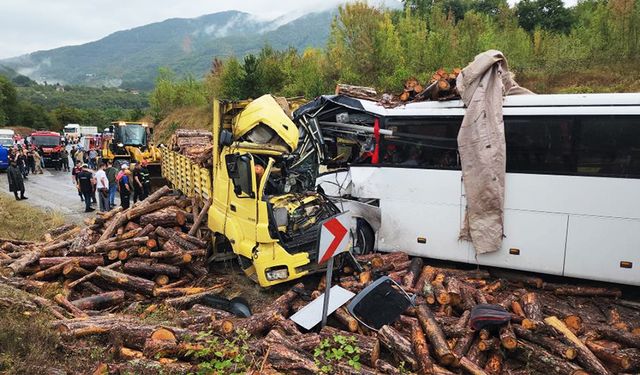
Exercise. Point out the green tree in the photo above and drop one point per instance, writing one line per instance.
(548, 14)
(251, 77)
(163, 96)
(232, 80)
(8, 101)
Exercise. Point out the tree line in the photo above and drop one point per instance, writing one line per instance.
(380, 47)
(23, 102)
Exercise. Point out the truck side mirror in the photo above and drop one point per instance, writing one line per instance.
(241, 174)
(226, 138)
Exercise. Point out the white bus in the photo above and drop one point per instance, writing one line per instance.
(572, 189)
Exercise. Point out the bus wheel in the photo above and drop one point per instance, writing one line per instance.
(365, 238)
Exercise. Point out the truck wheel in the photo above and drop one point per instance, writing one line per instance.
(365, 237)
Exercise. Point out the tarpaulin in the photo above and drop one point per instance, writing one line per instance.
(481, 144)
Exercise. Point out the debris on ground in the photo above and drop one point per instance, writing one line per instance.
(133, 279)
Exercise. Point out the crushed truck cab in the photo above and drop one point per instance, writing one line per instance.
(260, 210)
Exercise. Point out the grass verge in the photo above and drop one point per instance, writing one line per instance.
(23, 222)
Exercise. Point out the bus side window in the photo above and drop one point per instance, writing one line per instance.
(421, 142)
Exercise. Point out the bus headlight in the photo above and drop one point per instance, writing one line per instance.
(277, 273)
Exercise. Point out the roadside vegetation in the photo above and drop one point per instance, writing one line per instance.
(21, 221)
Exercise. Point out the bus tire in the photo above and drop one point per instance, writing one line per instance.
(365, 237)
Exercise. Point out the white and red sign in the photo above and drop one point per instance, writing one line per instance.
(334, 237)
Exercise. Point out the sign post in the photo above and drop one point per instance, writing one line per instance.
(335, 238)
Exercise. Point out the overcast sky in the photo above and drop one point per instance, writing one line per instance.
(32, 25)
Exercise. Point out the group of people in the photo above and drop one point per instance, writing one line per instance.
(27, 159)
(107, 180)
(79, 154)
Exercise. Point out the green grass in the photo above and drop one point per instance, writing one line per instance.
(23, 222)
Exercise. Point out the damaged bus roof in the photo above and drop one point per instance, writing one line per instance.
(626, 103)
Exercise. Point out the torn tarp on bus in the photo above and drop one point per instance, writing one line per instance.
(481, 144)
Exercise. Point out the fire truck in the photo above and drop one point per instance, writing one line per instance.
(50, 146)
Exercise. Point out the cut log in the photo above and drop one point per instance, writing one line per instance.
(62, 301)
(167, 217)
(453, 288)
(544, 361)
(435, 335)
(471, 367)
(132, 283)
(105, 246)
(494, 363)
(421, 349)
(83, 261)
(20, 264)
(441, 294)
(552, 345)
(518, 278)
(508, 337)
(585, 357)
(399, 346)
(190, 300)
(288, 360)
(73, 271)
(91, 275)
(585, 291)
(611, 333)
(144, 209)
(51, 271)
(415, 267)
(610, 356)
(344, 317)
(100, 301)
(184, 240)
(200, 218)
(360, 92)
(150, 268)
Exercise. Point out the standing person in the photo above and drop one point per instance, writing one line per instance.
(137, 183)
(31, 161)
(111, 172)
(21, 160)
(124, 187)
(93, 158)
(74, 177)
(72, 153)
(86, 184)
(36, 161)
(64, 159)
(16, 183)
(102, 186)
(146, 180)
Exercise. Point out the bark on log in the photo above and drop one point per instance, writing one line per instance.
(20, 264)
(544, 361)
(83, 261)
(51, 271)
(413, 272)
(150, 268)
(435, 335)
(471, 367)
(92, 275)
(190, 300)
(185, 240)
(132, 283)
(105, 246)
(585, 357)
(200, 218)
(611, 333)
(399, 346)
(518, 278)
(100, 301)
(585, 291)
(343, 316)
(360, 92)
(62, 301)
(554, 346)
(144, 209)
(619, 360)
(494, 363)
(508, 337)
(421, 349)
(167, 217)
(284, 359)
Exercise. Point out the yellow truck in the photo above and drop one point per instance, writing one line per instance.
(260, 210)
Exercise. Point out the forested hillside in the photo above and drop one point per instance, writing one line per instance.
(592, 47)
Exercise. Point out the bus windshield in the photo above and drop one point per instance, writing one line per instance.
(6, 142)
(45, 140)
(131, 135)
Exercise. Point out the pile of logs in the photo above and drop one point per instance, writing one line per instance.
(194, 144)
(153, 249)
(441, 86)
(152, 254)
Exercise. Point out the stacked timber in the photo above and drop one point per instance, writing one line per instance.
(143, 251)
(150, 256)
(194, 144)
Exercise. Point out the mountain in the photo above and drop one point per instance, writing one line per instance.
(131, 58)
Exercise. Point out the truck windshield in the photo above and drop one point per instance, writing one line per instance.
(45, 140)
(131, 135)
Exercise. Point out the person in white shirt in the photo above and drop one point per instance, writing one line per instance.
(102, 186)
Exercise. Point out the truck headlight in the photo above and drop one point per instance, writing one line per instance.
(277, 273)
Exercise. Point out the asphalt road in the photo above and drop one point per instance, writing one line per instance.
(53, 190)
